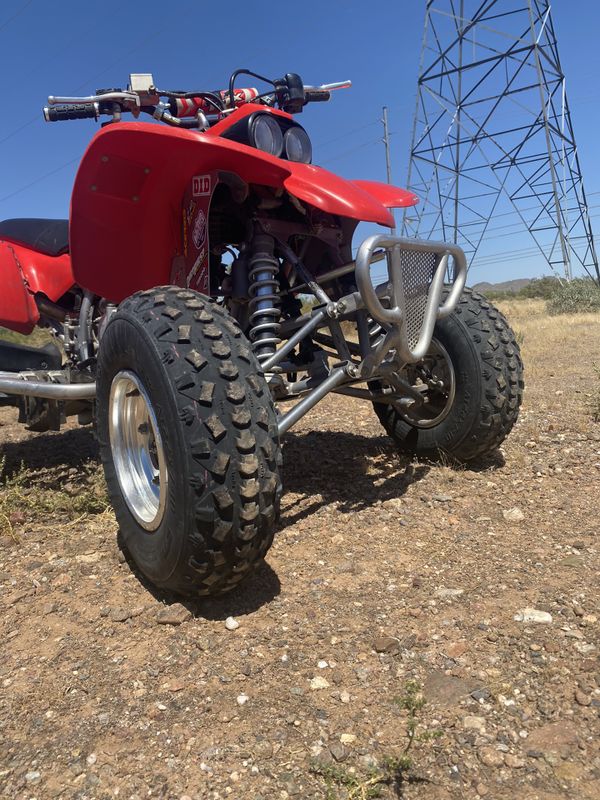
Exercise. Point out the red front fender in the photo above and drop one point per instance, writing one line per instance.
(327, 191)
(389, 196)
(126, 203)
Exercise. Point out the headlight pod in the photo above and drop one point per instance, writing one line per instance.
(297, 145)
(275, 134)
(266, 134)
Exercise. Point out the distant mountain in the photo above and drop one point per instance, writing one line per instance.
(505, 286)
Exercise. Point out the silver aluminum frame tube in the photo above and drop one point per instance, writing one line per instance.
(338, 272)
(84, 326)
(309, 326)
(334, 379)
(365, 394)
(50, 391)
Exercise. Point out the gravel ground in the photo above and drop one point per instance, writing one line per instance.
(417, 631)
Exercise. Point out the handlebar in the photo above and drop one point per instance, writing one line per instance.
(316, 96)
(58, 113)
(187, 109)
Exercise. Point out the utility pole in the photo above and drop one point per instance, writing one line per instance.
(388, 163)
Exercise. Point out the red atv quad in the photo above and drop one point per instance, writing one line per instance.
(175, 295)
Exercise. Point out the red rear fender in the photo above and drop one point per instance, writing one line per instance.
(127, 200)
(24, 273)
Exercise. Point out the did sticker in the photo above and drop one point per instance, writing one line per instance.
(201, 185)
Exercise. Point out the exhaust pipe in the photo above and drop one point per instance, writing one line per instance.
(12, 384)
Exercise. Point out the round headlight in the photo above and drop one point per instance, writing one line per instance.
(267, 134)
(297, 145)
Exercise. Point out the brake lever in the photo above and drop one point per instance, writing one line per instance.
(128, 97)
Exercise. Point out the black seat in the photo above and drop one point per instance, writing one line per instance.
(49, 236)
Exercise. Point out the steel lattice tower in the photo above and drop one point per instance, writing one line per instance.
(492, 120)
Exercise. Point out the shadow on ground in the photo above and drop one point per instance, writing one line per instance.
(258, 589)
(353, 471)
(68, 449)
(320, 468)
(348, 469)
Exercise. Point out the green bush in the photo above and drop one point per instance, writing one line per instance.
(579, 295)
(496, 295)
(540, 288)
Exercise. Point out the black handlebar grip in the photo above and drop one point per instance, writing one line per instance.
(317, 96)
(60, 113)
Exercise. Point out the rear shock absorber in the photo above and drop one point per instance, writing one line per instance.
(264, 297)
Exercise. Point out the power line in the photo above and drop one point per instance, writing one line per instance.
(345, 135)
(37, 118)
(521, 225)
(353, 150)
(60, 48)
(38, 179)
(155, 34)
(16, 14)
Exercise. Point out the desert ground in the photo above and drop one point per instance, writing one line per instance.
(417, 631)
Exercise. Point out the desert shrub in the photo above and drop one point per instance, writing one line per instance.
(497, 294)
(576, 296)
(542, 288)
(538, 288)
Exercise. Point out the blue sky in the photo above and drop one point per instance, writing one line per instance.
(70, 47)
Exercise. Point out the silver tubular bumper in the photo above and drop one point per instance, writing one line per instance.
(409, 305)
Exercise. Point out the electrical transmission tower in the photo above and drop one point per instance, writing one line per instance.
(492, 121)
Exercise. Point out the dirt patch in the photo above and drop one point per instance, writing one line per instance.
(384, 572)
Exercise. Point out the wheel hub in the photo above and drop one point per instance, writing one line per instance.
(137, 450)
(435, 379)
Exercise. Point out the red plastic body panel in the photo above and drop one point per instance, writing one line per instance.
(389, 196)
(23, 273)
(126, 203)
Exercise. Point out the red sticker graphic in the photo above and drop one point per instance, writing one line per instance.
(199, 230)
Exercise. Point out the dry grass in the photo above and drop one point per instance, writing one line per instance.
(37, 496)
(37, 338)
(548, 345)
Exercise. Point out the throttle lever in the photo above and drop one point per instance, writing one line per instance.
(316, 96)
(58, 113)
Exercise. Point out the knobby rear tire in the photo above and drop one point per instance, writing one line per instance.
(219, 434)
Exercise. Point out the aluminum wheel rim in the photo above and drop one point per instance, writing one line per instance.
(442, 370)
(137, 450)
